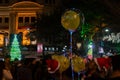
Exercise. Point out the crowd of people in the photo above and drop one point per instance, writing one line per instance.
(37, 69)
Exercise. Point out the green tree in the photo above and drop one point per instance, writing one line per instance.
(15, 51)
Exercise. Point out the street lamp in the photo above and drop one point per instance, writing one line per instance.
(78, 45)
(106, 30)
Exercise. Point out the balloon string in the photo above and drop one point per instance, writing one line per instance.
(78, 75)
(60, 76)
(71, 32)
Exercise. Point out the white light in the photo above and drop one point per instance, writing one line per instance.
(56, 49)
(28, 29)
(45, 48)
(53, 48)
(106, 30)
(63, 50)
(65, 46)
(90, 46)
(49, 48)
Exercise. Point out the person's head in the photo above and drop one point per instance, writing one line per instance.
(2, 64)
(7, 58)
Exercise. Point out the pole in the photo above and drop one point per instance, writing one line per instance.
(71, 32)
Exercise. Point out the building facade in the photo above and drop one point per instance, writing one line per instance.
(17, 16)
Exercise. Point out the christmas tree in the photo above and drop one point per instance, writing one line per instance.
(15, 51)
(90, 50)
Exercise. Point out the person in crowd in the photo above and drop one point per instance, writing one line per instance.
(24, 72)
(5, 73)
(40, 72)
(115, 74)
(101, 51)
(15, 66)
(7, 62)
(34, 65)
(109, 53)
(92, 72)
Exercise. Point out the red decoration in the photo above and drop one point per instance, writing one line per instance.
(103, 63)
(53, 65)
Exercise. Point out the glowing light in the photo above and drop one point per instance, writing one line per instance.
(115, 38)
(1, 40)
(106, 30)
(90, 50)
(40, 48)
(15, 51)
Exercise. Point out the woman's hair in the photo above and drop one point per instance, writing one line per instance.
(2, 66)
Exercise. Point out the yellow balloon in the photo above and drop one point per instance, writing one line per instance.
(70, 20)
(64, 62)
(78, 64)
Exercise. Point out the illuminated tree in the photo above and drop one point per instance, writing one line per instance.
(90, 50)
(15, 51)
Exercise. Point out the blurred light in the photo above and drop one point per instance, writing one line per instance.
(63, 50)
(78, 45)
(56, 49)
(106, 30)
(65, 46)
(40, 48)
(34, 42)
(53, 48)
(45, 48)
(49, 48)
(28, 29)
(90, 45)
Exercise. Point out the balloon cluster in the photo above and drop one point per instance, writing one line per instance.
(78, 63)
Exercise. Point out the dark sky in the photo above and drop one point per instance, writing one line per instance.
(110, 8)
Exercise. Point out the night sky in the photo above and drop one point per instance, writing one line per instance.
(109, 8)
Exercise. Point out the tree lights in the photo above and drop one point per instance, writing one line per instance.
(15, 51)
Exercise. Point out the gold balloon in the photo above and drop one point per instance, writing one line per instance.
(64, 62)
(78, 64)
(70, 20)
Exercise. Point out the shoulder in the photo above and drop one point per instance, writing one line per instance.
(6, 71)
(7, 74)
